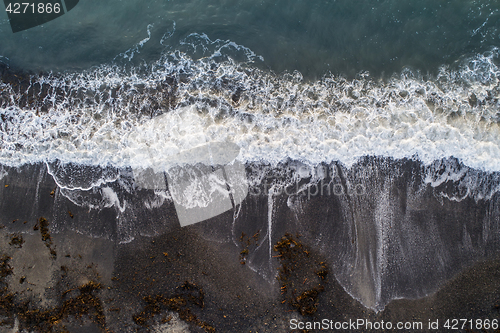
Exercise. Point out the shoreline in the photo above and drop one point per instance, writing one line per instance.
(434, 251)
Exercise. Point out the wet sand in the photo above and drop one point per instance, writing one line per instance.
(233, 296)
(212, 276)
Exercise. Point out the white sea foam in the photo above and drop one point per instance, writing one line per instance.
(3, 173)
(141, 118)
(129, 54)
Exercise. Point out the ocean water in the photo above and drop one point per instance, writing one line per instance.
(339, 81)
(300, 87)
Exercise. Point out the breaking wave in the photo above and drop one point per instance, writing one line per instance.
(144, 115)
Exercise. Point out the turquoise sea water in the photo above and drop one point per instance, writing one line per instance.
(313, 37)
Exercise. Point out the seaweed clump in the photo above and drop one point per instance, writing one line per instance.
(189, 295)
(16, 240)
(83, 303)
(43, 226)
(6, 298)
(79, 303)
(247, 241)
(299, 275)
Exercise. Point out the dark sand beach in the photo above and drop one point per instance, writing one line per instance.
(217, 275)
